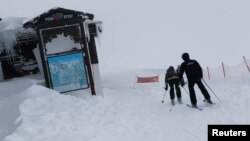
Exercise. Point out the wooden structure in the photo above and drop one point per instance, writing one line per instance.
(66, 35)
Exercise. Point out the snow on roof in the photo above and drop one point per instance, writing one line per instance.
(11, 23)
(35, 20)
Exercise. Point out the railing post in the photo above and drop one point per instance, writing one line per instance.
(223, 70)
(208, 73)
(246, 63)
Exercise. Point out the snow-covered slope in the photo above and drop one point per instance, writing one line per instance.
(124, 113)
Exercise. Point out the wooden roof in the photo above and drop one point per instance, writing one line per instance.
(35, 21)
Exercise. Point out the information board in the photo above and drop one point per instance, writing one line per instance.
(67, 72)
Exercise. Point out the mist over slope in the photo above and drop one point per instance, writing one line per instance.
(154, 34)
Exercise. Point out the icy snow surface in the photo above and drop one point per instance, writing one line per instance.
(33, 112)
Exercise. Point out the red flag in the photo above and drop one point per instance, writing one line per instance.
(148, 79)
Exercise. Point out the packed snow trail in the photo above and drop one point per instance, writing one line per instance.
(126, 114)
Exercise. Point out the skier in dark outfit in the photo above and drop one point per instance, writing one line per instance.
(194, 75)
(172, 79)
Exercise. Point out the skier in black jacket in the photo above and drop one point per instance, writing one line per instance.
(194, 75)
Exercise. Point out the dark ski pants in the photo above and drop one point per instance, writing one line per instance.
(192, 92)
(174, 84)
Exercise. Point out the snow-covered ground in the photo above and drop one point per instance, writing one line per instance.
(31, 112)
(151, 34)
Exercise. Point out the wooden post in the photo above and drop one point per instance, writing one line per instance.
(246, 63)
(88, 60)
(208, 73)
(43, 58)
(1, 72)
(223, 70)
(135, 80)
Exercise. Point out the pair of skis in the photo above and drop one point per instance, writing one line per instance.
(198, 108)
(172, 105)
(188, 105)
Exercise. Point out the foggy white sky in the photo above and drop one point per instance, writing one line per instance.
(154, 33)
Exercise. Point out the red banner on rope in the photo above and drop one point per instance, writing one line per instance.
(147, 79)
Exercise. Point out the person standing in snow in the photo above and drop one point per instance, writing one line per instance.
(172, 79)
(194, 75)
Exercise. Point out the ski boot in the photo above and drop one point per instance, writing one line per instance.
(179, 100)
(209, 101)
(172, 102)
(194, 106)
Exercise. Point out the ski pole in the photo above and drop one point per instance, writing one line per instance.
(164, 96)
(171, 108)
(211, 90)
(185, 90)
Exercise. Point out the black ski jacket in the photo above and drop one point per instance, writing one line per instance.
(192, 69)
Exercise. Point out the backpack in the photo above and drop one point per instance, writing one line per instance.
(171, 71)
